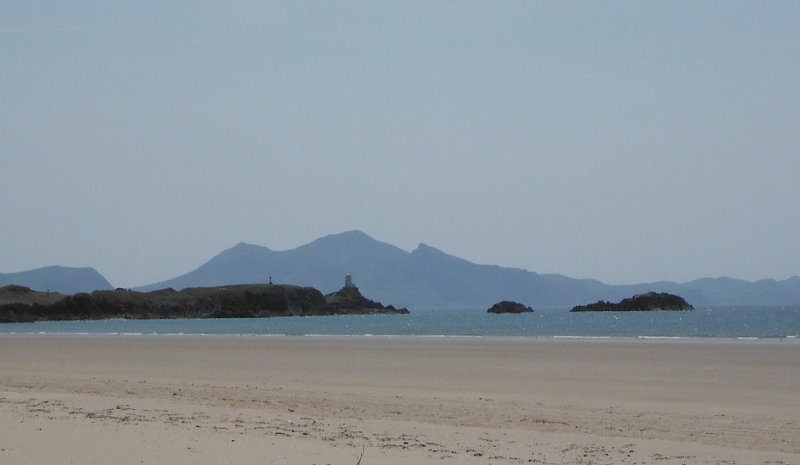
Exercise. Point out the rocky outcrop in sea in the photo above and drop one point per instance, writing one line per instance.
(507, 306)
(649, 301)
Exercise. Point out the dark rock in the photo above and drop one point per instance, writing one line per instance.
(639, 303)
(509, 307)
(240, 301)
(349, 300)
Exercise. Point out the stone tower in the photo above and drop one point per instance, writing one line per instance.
(348, 281)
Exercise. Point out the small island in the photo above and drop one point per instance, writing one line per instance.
(649, 301)
(508, 306)
(20, 304)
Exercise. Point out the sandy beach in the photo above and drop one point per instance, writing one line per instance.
(343, 401)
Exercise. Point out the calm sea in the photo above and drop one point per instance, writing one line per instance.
(717, 322)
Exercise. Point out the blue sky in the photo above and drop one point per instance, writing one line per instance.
(622, 141)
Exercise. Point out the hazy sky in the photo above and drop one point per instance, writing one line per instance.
(623, 141)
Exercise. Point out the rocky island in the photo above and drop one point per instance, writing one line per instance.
(507, 306)
(639, 303)
(21, 304)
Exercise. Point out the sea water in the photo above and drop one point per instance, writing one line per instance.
(714, 322)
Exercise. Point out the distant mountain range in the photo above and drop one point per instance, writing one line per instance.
(427, 277)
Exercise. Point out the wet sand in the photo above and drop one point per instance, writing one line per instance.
(330, 400)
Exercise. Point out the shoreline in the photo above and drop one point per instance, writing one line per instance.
(442, 337)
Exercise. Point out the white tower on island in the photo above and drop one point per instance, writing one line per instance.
(348, 281)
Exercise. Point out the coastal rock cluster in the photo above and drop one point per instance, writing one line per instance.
(350, 300)
(20, 304)
(508, 306)
(639, 303)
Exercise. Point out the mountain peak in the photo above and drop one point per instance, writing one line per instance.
(244, 246)
(354, 236)
(349, 242)
(353, 233)
(425, 250)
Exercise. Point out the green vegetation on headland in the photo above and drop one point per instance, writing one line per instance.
(639, 303)
(20, 304)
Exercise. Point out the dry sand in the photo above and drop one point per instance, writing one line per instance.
(304, 400)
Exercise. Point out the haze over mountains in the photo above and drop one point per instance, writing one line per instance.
(424, 277)
(61, 279)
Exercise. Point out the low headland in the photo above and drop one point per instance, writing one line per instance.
(20, 304)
